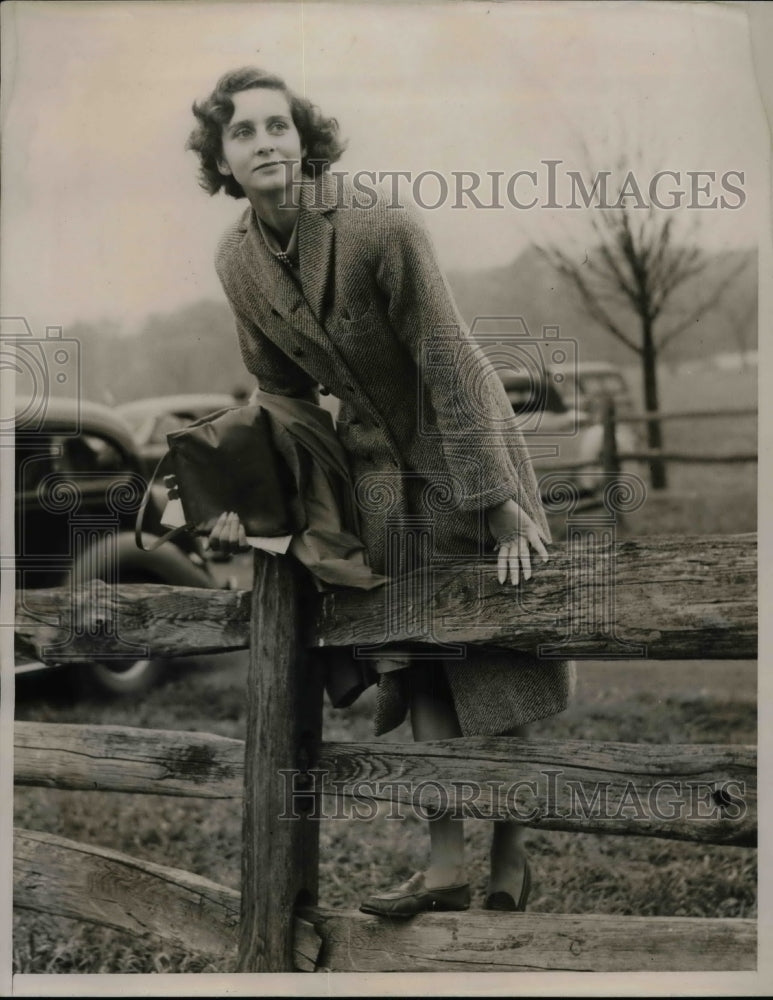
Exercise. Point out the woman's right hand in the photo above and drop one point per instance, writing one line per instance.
(228, 535)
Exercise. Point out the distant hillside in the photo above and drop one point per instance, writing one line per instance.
(529, 287)
(191, 350)
(195, 349)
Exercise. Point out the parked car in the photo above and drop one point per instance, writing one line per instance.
(591, 381)
(558, 428)
(79, 481)
(152, 419)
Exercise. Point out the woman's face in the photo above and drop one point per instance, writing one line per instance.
(261, 145)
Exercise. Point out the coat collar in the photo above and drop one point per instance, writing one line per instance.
(267, 281)
(318, 198)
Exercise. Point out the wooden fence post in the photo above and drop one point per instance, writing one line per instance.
(609, 456)
(280, 840)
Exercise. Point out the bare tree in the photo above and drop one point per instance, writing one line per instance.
(629, 274)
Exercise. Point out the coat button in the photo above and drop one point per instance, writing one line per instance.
(349, 388)
(324, 391)
(297, 352)
(295, 306)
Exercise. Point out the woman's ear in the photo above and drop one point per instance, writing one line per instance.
(223, 167)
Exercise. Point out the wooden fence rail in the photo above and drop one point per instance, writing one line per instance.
(699, 792)
(65, 878)
(479, 941)
(650, 455)
(611, 459)
(69, 879)
(673, 598)
(645, 416)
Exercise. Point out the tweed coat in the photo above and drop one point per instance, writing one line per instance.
(431, 440)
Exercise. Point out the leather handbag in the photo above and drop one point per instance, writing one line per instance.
(226, 461)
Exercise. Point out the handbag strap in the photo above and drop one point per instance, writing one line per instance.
(167, 536)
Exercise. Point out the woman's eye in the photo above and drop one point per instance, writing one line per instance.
(278, 126)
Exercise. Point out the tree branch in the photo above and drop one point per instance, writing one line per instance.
(566, 266)
(702, 307)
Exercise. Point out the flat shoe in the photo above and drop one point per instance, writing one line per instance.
(414, 897)
(504, 901)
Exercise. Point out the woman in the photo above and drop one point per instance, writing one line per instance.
(328, 291)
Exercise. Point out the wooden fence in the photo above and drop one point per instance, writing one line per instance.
(611, 459)
(675, 598)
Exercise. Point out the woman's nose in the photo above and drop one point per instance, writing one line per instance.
(264, 144)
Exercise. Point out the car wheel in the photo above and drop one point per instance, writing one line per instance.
(119, 557)
(120, 678)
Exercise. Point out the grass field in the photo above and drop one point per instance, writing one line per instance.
(646, 701)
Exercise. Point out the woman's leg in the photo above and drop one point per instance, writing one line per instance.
(433, 717)
(507, 852)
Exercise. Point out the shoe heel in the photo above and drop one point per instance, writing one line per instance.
(504, 901)
(452, 899)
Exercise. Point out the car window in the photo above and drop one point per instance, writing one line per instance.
(88, 453)
(33, 461)
(527, 396)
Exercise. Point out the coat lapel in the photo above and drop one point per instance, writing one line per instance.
(269, 282)
(315, 241)
(315, 251)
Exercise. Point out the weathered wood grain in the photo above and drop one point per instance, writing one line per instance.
(125, 759)
(307, 945)
(479, 941)
(697, 792)
(62, 623)
(700, 793)
(65, 878)
(280, 847)
(656, 597)
(69, 879)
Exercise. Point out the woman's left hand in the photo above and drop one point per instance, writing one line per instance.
(514, 531)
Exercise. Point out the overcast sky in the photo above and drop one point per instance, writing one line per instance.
(102, 215)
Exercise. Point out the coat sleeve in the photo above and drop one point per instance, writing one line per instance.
(471, 408)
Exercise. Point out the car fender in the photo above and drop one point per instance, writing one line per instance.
(116, 557)
(591, 446)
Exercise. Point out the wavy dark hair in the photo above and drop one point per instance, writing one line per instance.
(319, 135)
